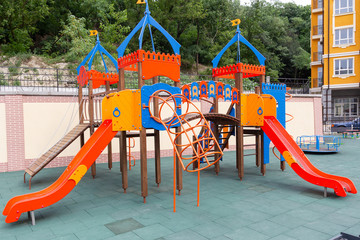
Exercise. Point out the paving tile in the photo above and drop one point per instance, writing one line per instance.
(211, 230)
(125, 236)
(67, 228)
(94, 233)
(341, 219)
(354, 230)
(268, 228)
(38, 235)
(153, 232)
(325, 227)
(305, 214)
(258, 207)
(185, 234)
(246, 233)
(307, 233)
(282, 237)
(101, 210)
(288, 220)
(123, 226)
(66, 237)
(234, 222)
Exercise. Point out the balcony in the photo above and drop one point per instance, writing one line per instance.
(317, 56)
(318, 4)
(317, 82)
(318, 30)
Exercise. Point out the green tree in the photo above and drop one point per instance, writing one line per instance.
(18, 21)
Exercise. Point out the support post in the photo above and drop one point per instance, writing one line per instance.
(143, 153)
(110, 145)
(92, 123)
(157, 140)
(216, 130)
(81, 114)
(257, 137)
(239, 129)
(178, 164)
(122, 139)
(31, 215)
(263, 165)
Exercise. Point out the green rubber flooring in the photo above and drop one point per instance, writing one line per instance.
(279, 205)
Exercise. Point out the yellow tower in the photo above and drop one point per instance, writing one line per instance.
(335, 58)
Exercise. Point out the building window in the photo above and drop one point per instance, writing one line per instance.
(344, 66)
(344, 36)
(343, 6)
(346, 107)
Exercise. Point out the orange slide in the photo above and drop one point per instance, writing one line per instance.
(297, 160)
(67, 181)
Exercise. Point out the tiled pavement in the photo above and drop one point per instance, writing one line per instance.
(277, 206)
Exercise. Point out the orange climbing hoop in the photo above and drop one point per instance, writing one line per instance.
(190, 122)
(130, 156)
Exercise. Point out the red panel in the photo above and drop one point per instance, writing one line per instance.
(248, 70)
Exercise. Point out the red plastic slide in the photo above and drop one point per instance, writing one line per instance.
(67, 181)
(302, 166)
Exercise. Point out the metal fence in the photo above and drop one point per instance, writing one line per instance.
(52, 80)
(297, 85)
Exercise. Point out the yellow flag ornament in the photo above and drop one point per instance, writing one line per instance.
(141, 2)
(236, 22)
(93, 32)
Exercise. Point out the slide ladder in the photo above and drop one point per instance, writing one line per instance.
(67, 181)
(298, 161)
(54, 151)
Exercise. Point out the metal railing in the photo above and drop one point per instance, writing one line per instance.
(317, 82)
(318, 30)
(297, 85)
(64, 81)
(317, 56)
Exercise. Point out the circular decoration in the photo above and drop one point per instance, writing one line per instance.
(260, 111)
(116, 112)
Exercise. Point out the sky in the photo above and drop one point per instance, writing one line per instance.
(299, 2)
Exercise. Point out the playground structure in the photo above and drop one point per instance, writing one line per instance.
(321, 144)
(148, 107)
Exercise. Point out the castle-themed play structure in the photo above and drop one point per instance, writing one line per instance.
(161, 107)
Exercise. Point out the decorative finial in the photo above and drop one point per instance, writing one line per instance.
(236, 22)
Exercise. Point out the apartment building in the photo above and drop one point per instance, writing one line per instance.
(335, 58)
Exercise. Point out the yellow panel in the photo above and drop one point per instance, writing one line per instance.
(252, 110)
(269, 105)
(344, 20)
(78, 174)
(106, 107)
(243, 108)
(288, 158)
(126, 110)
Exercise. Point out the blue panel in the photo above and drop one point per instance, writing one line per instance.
(186, 93)
(227, 92)
(278, 91)
(195, 91)
(211, 89)
(146, 92)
